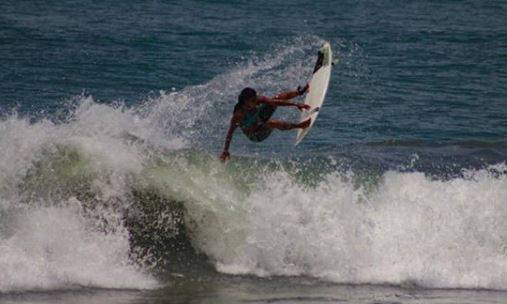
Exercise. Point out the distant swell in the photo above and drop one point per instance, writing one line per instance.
(501, 144)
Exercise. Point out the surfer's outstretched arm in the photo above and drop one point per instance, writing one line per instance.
(291, 94)
(228, 138)
(283, 103)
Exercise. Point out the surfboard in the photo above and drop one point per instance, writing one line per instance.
(318, 88)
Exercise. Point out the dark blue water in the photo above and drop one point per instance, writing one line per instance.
(430, 71)
(113, 115)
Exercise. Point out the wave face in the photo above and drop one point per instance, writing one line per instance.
(112, 196)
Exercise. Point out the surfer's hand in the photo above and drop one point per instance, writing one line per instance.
(302, 106)
(225, 156)
(302, 90)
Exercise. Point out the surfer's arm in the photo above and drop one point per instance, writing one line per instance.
(283, 103)
(228, 138)
(291, 94)
(286, 95)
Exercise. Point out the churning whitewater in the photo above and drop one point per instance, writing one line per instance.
(102, 196)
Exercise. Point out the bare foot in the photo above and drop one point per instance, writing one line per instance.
(305, 124)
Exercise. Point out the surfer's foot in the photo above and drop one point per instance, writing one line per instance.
(304, 124)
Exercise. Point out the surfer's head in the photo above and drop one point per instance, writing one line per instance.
(247, 98)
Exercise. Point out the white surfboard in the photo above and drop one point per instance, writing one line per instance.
(318, 88)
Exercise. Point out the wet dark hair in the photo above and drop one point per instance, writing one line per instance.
(245, 95)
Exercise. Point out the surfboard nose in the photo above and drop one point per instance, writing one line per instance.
(319, 84)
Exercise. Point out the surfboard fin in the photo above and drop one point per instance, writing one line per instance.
(335, 61)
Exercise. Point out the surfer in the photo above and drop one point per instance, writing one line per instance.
(253, 114)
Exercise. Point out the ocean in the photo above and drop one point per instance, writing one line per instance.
(113, 115)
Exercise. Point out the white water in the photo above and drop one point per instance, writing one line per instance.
(410, 229)
(54, 248)
(52, 244)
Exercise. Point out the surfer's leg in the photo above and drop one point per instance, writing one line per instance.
(285, 125)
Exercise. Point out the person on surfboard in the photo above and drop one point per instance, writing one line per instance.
(253, 114)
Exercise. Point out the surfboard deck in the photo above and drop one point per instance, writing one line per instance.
(318, 88)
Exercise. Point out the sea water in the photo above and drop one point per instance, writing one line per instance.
(113, 116)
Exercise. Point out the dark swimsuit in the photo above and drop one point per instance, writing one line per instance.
(254, 125)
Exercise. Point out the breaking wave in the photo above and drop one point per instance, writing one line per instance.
(112, 196)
